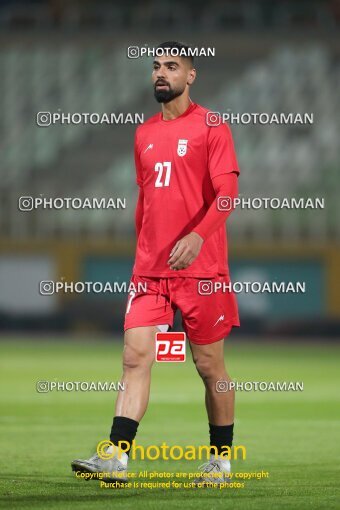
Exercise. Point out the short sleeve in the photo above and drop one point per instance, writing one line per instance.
(221, 152)
(139, 174)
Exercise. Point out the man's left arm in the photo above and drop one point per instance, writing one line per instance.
(187, 249)
(224, 171)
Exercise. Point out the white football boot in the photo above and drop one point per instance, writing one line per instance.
(110, 470)
(216, 470)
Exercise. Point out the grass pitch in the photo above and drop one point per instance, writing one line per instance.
(293, 435)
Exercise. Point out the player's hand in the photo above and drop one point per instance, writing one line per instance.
(185, 251)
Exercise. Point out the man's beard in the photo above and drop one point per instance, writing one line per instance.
(165, 96)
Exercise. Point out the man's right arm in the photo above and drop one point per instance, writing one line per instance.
(139, 211)
(139, 180)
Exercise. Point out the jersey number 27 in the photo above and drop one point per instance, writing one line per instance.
(164, 172)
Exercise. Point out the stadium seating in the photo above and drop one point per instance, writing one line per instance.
(96, 160)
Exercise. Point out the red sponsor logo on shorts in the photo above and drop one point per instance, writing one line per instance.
(170, 346)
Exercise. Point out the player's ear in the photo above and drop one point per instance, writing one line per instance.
(191, 76)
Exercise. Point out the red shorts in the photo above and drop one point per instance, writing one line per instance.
(208, 311)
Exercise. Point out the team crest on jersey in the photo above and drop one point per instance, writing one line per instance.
(182, 147)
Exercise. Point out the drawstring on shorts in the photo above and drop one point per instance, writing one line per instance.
(164, 290)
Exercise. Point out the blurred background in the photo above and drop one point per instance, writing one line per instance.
(71, 56)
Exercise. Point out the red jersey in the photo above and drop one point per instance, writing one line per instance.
(176, 161)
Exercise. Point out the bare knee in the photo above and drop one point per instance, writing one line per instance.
(135, 358)
(207, 367)
(139, 348)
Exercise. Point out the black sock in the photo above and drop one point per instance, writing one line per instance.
(123, 429)
(220, 435)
